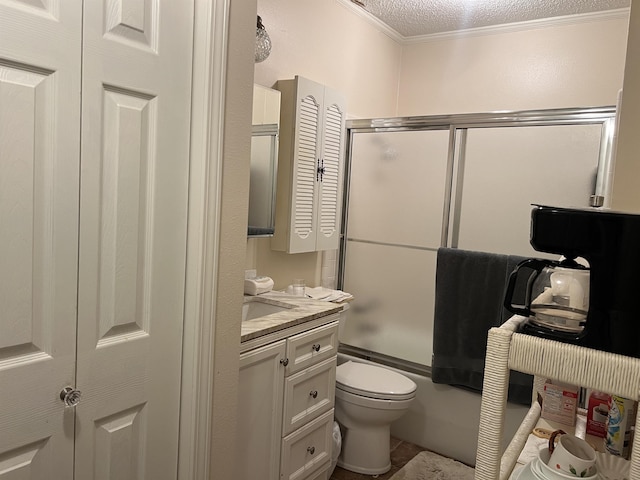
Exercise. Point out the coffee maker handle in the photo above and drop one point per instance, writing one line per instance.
(534, 266)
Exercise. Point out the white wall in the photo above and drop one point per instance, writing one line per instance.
(578, 65)
(233, 207)
(327, 42)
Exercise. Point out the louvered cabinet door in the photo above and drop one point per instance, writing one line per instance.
(307, 152)
(331, 167)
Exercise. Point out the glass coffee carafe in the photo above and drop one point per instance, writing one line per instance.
(554, 295)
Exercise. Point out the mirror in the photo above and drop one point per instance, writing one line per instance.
(264, 161)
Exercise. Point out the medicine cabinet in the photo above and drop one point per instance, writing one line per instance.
(264, 161)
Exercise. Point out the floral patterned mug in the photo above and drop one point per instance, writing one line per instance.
(571, 455)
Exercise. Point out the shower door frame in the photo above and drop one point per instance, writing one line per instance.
(458, 126)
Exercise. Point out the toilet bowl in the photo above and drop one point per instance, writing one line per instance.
(368, 399)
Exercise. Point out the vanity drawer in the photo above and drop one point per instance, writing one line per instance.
(305, 349)
(307, 451)
(308, 394)
(323, 475)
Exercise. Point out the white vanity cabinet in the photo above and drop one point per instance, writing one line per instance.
(286, 400)
(260, 390)
(310, 167)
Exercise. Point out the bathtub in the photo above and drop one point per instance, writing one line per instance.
(445, 419)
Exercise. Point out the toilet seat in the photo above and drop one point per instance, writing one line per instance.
(373, 382)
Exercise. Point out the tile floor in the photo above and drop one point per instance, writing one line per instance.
(401, 453)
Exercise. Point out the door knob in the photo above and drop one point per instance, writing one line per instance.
(70, 396)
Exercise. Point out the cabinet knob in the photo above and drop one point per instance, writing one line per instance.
(313, 393)
(316, 347)
(311, 450)
(70, 396)
(284, 361)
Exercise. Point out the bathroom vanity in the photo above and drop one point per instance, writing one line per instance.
(286, 388)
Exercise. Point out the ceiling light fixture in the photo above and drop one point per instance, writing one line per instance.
(263, 42)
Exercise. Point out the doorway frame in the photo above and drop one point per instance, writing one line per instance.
(221, 112)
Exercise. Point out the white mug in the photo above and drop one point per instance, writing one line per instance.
(571, 455)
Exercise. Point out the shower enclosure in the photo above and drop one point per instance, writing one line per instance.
(463, 181)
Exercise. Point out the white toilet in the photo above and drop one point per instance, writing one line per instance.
(368, 399)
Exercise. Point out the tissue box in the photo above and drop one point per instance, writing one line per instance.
(257, 285)
(559, 403)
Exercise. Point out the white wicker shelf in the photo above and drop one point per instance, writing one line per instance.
(508, 350)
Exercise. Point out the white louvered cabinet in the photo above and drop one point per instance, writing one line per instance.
(310, 167)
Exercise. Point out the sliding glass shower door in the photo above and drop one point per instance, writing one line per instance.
(506, 169)
(397, 195)
(465, 181)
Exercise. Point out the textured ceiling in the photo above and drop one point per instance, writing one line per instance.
(424, 17)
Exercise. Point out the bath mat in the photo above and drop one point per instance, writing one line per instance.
(431, 466)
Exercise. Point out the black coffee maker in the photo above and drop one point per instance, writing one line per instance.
(610, 242)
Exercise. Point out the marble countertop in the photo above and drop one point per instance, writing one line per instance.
(301, 310)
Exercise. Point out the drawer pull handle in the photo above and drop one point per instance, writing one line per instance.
(316, 347)
(311, 450)
(313, 393)
(284, 361)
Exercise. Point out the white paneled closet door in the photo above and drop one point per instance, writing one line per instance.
(40, 45)
(133, 217)
(93, 210)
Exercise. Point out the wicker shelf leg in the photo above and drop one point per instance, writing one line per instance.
(492, 409)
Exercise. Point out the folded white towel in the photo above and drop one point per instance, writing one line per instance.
(327, 294)
(316, 293)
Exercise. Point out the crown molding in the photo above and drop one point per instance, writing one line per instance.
(617, 14)
(378, 24)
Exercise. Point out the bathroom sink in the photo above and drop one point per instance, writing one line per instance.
(257, 308)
